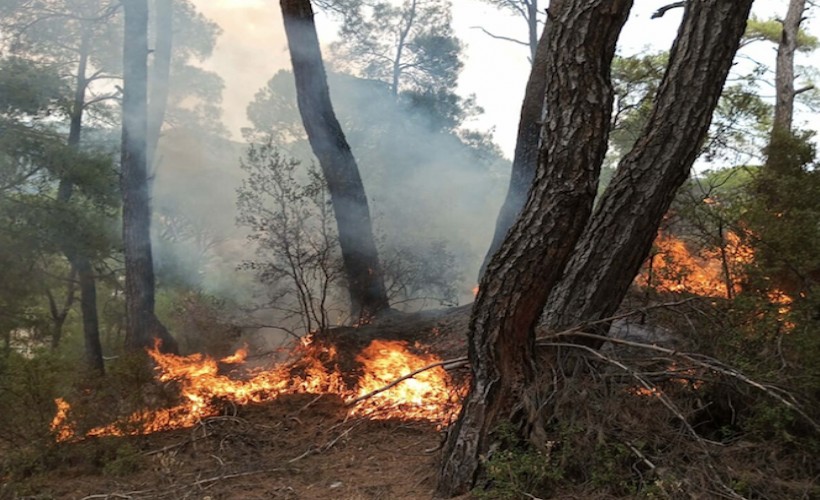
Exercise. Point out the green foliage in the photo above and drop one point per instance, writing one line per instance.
(635, 81)
(27, 88)
(785, 215)
(28, 388)
(770, 30)
(515, 470)
(127, 460)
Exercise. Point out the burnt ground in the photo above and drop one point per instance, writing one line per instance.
(298, 447)
(307, 446)
(301, 446)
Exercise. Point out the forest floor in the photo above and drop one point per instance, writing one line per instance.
(297, 447)
(300, 446)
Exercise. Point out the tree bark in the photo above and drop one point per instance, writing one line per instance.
(142, 326)
(525, 159)
(160, 74)
(78, 259)
(361, 263)
(620, 233)
(580, 46)
(784, 67)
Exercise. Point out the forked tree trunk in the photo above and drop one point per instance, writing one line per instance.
(365, 281)
(580, 45)
(525, 158)
(620, 234)
(142, 326)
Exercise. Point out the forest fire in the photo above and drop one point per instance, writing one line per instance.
(710, 273)
(203, 390)
(428, 395)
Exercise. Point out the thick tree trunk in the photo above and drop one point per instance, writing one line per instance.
(580, 46)
(784, 67)
(365, 280)
(620, 233)
(142, 326)
(73, 252)
(160, 74)
(525, 159)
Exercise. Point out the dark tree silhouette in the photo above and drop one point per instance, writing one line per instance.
(359, 255)
(142, 325)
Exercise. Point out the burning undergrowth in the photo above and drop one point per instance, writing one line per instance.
(187, 389)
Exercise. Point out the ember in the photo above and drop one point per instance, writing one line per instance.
(203, 390)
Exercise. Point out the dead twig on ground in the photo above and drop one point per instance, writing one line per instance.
(330, 444)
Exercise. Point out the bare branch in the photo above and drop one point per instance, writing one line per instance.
(661, 11)
(500, 37)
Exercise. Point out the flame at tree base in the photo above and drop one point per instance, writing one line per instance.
(203, 390)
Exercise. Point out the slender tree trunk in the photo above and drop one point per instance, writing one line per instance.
(580, 47)
(365, 280)
(73, 252)
(784, 66)
(88, 306)
(142, 326)
(532, 25)
(59, 314)
(160, 75)
(397, 62)
(620, 233)
(525, 159)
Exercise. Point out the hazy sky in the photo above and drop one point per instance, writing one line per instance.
(253, 47)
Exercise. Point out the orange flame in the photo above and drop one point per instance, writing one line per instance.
(427, 395)
(203, 389)
(674, 268)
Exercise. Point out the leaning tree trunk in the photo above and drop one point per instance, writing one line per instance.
(580, 45)
(365, 281)
(160, 75)
(72, 249)
(620, 234)
(142, 325)
(525, 159)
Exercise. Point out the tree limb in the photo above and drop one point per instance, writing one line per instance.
(500, 37)
(661, 11)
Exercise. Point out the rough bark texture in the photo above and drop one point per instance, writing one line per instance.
(623, 227)
(784, 67)
(142, 326)
(79, 261)
(160, 74)
(580, 46)
(365, 280)
(525, 158)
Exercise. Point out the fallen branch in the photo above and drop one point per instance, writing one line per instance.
(450, 364)
(232, 476)
(330, 444)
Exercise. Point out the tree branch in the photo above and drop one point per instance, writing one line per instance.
(661, 11)
(500, 37)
